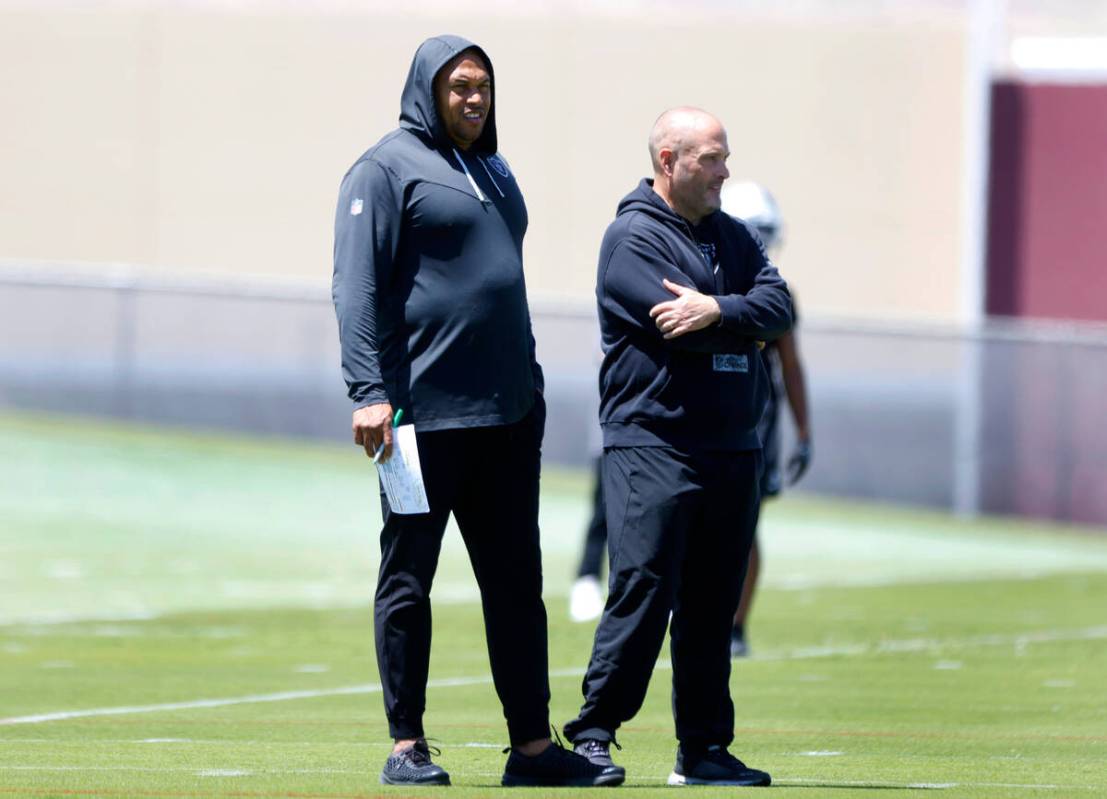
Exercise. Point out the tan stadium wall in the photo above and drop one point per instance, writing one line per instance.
(211, 137)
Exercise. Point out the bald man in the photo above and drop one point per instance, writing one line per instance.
(685, 292)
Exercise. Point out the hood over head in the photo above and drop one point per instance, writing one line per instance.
(418, 112)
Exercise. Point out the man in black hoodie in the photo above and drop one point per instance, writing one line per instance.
(433, 320)
(685, 294)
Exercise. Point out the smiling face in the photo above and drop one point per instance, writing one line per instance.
(689, 152)
(699, 171)
(463, 97)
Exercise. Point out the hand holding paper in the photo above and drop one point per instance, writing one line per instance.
(402, 476)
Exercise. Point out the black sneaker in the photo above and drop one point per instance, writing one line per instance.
(413, 766)
(714, 766)
(597, 752)
(556, 765)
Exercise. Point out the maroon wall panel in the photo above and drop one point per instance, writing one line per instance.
(1047, 258)
(1047, 216)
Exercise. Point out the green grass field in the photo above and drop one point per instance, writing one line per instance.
(188, 616)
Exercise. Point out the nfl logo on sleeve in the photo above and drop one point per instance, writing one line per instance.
(356, 206)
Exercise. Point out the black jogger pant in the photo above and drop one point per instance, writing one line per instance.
(679, 533)
(488, 478)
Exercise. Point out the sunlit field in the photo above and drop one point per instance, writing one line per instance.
(189, 615)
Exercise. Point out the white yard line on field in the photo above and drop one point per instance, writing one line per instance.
(59, 618)
(931, 644)
(933, 786)
(805, 653)
(281, 696)
(201, 772)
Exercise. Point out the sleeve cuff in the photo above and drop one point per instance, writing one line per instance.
(372, 398)
(731, 309)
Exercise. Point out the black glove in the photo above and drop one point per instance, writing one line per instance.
(798, 463)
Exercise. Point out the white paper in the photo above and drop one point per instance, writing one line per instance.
(401, 476)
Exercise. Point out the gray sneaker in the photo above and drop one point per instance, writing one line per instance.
(598, 753)
(413, 766)
(714, 766)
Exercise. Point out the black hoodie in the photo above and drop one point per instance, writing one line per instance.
(704, 390)
(428, 269)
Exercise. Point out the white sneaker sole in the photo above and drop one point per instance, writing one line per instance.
(680, 779)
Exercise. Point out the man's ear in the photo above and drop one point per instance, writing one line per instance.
(666, 157)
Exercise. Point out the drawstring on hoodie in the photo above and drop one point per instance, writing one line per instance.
(489, 173)
(473, 183)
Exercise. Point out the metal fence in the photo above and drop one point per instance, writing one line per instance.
(1007, 418)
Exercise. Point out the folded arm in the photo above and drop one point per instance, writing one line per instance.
(765, 311)
(645, 290)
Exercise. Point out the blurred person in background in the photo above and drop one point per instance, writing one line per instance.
(586, 597)
(753, 204)
(684, 294)
(433, 319)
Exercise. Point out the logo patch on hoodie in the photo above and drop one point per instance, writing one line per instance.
(499, 164)
(731, 363)
(356, 206)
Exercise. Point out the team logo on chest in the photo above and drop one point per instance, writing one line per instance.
(707, 250)
(499, 164)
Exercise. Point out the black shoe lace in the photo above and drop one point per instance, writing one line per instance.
(420, 754)
(572, 762)
(555, 740)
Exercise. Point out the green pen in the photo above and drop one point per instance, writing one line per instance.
(395, 423)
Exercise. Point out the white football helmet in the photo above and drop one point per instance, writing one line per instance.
(752, 203)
